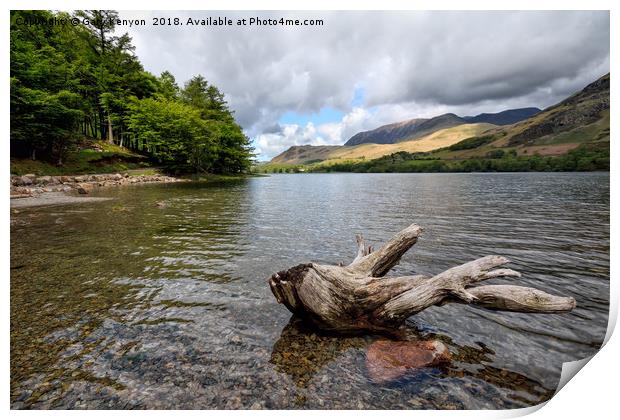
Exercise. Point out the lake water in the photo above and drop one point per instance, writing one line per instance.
(124, 304)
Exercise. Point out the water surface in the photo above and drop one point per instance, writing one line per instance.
(126, 304)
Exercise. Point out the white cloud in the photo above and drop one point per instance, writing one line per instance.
(409, 64)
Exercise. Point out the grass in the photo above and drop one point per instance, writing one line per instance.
(598, 130)
(436, 140)
(98, 157)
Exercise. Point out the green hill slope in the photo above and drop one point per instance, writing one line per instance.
(571, 135)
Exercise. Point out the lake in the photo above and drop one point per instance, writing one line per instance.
(127, 304)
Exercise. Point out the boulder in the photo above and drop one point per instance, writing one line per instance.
(24, 180)
(43, 179)
(84, 188)
(387, 361)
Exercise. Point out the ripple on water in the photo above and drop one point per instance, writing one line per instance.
(123, 304)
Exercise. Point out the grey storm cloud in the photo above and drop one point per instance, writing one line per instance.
(416, 61)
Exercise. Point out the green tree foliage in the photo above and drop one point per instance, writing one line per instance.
(70, 82)
(173, 132)
(208, 137)
(167, 86)
(471, 143)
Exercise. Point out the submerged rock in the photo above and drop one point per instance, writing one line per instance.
(387, 361)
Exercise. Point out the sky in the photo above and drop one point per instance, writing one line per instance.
(321, 85)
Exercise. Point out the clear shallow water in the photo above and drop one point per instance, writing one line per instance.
(122, 304)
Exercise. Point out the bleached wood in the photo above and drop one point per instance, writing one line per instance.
(358, 297)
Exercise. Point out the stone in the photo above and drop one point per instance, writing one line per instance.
(387, 361)
(80, 178)
(25, 180)
(84, 188)
(43, 179)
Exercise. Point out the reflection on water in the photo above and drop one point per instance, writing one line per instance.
(131, 304)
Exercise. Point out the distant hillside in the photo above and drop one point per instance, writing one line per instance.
(435, 140)
(510, 116)
(581, 121)
(387, 134)
(406, 130)
(420, 127)
(297, 155)
(578, 111)
(431, 125)
(572, 135)
(304, 154)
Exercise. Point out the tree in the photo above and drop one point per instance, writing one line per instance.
(167, 86)
(73, 82)
(173, 133)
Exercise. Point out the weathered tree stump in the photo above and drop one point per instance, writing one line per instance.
(358, 297)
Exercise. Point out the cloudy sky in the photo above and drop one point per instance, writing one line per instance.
(322, 84)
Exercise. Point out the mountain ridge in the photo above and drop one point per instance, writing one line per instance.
(507, 117)
(580, 120)
(418, 127)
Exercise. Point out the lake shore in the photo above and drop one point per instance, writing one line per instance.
(32, 190)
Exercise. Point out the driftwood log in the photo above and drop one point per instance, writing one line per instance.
(358, 297)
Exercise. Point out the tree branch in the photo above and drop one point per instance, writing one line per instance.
(378, 263)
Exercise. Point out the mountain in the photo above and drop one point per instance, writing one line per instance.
(435, 140)
(571, 116)
(577, 127)
(420, 127)
(300, 155)
(581, 122)
(406, 130)
(387, 134)
(431, 125)
(510, 116)
(304, 154)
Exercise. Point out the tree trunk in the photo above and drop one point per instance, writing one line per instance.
(358, 297)
(110, 134)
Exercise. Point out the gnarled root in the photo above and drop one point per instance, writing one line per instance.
(358, 297)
